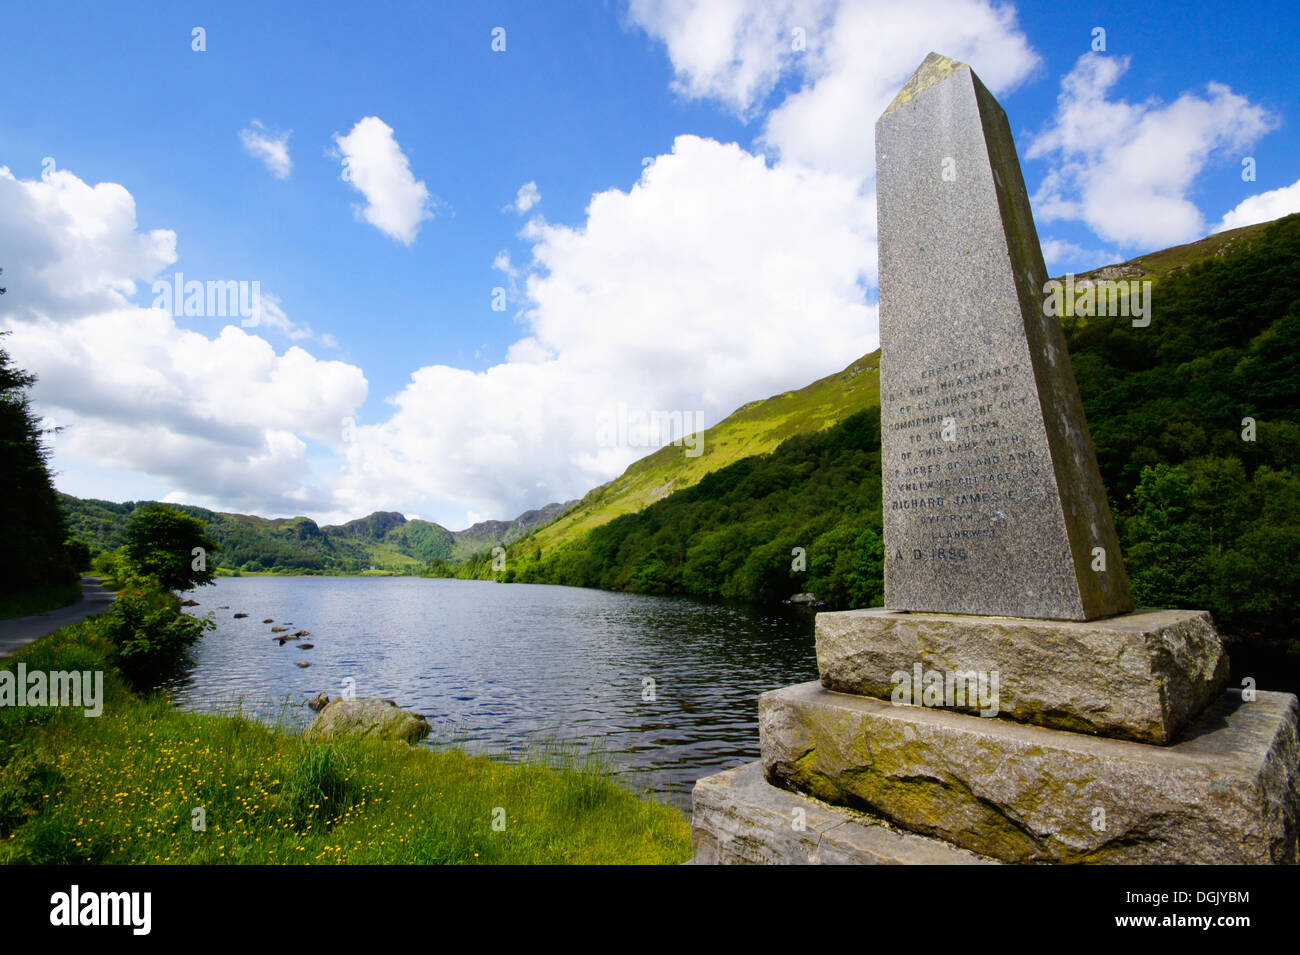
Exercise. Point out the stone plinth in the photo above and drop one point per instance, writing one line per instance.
(739, 818)
(1226, 792)
(1140, 676)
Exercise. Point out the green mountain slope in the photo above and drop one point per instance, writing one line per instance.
(755, 428)
(1196, 421)
(384, 540)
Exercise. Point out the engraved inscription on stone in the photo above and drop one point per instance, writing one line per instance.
(993, 503)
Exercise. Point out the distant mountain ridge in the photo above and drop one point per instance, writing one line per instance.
(383, 540)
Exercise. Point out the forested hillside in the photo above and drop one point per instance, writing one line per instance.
(385, 540)
(1195, 422)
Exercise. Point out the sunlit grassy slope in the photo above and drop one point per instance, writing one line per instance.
(1155, 265)
(760, 426)
(755, 428)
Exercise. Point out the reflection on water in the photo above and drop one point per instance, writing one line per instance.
(502, 667)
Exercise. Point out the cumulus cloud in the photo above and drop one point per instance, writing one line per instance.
(224, 420)
(1263, 207)
(270, 147)
(71, 248)
(722, 276)
(527, 197)
(396, 202)
(1125, 169)
(1062, 255)
(714, 280)
(846, 61)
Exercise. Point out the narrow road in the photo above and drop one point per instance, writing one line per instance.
(20, 631)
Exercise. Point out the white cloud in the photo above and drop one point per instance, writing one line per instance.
(714, 280)
(1060, 252)
(857, 56)
(270, 147)
(224, 420)
(717, 279)
(527, 197)
(1263, 207)
(1126, 169)
(70, 248)
(396, 203)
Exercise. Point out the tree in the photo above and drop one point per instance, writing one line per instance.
(170, 546)
(32, 525)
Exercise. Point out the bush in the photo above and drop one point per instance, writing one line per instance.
(149, 633)
(23, 783)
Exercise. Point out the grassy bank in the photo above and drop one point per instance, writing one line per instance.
(124, 787)
(38, 600)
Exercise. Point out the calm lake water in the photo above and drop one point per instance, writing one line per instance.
(502, 667)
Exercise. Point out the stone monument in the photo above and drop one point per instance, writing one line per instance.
(1007, 704)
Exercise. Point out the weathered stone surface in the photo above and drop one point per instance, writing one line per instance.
(993, 503)
(383, 719)
(1141, 676)
(1225, 793)
(739, 818)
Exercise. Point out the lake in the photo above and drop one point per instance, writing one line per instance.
(502, 668)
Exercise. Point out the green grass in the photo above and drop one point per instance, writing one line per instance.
(123, 787)
(39, 600)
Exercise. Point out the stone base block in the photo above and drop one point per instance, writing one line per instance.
(741, 819)
(1140, 676)
(1226, 792)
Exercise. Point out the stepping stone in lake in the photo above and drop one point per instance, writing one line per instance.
(279, 629)
(268, 620)
(305, 646)
(304, 664)
(239, 615)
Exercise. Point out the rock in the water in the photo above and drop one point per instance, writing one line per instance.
(239, 616)
(268, 620)
(366, 717)
(223, 607)
(304, 664)
(319, 701)
(805, 600)
(278, 629)
(302, 633)
(305, 646)
(189, 603)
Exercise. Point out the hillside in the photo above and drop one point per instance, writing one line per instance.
(755, 428)
(760, 426)
(384, 540)
(1196, 421)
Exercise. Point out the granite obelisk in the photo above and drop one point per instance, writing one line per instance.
(1005, 705)
(993, 500)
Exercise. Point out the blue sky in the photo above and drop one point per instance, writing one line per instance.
(703, 236)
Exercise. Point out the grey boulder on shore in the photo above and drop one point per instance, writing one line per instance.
(381, 719)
